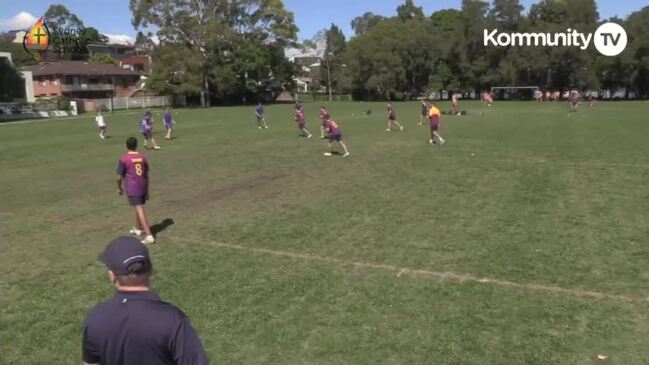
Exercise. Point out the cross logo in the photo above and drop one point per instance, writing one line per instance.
(37, 39)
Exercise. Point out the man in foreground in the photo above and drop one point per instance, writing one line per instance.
(135, 327)
(133, 177)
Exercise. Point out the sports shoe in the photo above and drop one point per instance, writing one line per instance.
(265, 127)
(148, 240)
(101, 136)
(327, 154)
(431, 141)
(402, 128)
(346, 154)
(387, 130)
(157, 148)
(135, 232)
(441, 142)
(309, 136)
(322, 137)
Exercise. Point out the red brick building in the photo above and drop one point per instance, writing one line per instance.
(83, 80)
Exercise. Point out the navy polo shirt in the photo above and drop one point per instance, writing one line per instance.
(136, 328)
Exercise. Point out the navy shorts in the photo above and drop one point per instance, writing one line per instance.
(335, 137)
(392, 117)
(434, 126)
(146, 135)
(301, 125)
(169, 126)
(137, 200)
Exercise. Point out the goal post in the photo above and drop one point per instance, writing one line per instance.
(514, 92)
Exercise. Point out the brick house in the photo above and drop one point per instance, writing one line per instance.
(83, 80)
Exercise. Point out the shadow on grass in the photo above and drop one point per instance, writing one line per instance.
(159, 227)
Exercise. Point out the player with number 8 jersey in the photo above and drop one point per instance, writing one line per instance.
(133, 178)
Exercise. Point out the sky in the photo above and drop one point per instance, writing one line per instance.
(113, 17)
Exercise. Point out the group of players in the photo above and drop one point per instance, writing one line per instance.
(133, 170)
(328, 126)
(133, 166)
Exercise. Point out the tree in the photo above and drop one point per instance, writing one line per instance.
(12, 85)
(58, 16)
(333, 58)
(408, 11)
(102, 58)
(364, 23)
(232, 45)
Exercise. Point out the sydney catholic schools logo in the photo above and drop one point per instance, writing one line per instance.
(37, 39)
(610, 39)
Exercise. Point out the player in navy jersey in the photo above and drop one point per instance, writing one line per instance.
(424, 112)
(261, 117)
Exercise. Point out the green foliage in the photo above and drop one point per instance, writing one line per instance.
(62, 102)
(12, 85)
(409, 55)
(102, 58)
(223, 50)
(19, 56)
(58, 16)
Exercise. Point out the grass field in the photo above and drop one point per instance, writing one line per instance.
(524, 240)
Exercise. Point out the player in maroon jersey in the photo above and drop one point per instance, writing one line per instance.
(334, 135)
(301, 124)
(392, 118)
(133, 178)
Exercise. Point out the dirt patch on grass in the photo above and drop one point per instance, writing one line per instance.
(251, 186)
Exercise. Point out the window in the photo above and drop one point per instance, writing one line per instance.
(69, 80)
(53, 94)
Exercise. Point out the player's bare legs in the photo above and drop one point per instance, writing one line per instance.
(306, 132)
(342, 143)
(144, 223)
(322, 132)
(153, 143)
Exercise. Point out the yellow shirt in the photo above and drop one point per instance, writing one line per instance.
(433, 111)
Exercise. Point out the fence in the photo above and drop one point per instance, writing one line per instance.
(307, 98)
(127, 103)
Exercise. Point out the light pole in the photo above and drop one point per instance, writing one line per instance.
(328, 75)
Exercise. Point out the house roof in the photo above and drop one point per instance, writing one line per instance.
(79, 68)
(133, 60)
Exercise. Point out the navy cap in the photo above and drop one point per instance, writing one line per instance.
(120, 253)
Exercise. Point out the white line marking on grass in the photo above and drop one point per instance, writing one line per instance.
(442, 276)
(82, 116)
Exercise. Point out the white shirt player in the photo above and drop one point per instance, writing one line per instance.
(100, 121)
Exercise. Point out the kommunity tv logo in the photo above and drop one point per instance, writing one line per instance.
(610, 39)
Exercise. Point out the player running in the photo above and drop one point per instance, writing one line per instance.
(487, 99)
(261, 119)
(392, 118)
(169, 123)
(424, 112)
(133, 178)
(146, 128)
(101, 124)
(323, 121)
(455, 103)
(301, 124)
(334, 135)
(434, 117)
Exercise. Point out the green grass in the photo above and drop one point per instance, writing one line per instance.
(524, 193)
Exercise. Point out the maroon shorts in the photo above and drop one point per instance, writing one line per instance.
(137, 200)
(301, 125)
(335, 137)
(434, 126)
